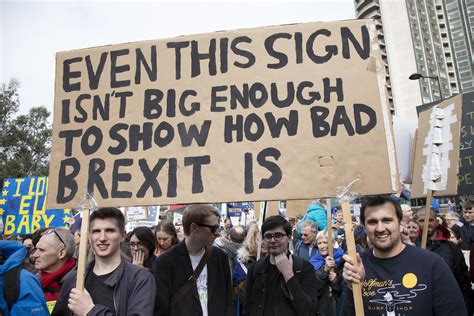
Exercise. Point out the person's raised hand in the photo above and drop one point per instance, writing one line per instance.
(138, 258)
(353, 272)
(284, 265)
(80, 303)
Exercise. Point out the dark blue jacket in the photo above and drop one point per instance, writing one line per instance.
(31, 299)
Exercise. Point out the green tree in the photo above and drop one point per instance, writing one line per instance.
(25, 140)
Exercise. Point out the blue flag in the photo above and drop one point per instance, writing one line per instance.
(23, 206)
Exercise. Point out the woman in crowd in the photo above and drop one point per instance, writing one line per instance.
(142, 246)
(166, 237)
(328, 273)
(246, 255)
(451, 219)
(412, 228)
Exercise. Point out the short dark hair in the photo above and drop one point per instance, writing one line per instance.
(468, 205)
(376, 200)
(109, 212)
(168, 228)
(196, 213)
(274, 222)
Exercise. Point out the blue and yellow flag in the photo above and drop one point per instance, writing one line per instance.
(23, 206)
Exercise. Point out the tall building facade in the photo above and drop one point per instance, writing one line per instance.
(430, 37)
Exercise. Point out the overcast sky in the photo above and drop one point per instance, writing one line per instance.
(33, 31)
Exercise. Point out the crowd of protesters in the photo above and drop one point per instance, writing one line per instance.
(203, 265)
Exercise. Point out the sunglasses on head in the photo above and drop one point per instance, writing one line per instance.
(52, 230)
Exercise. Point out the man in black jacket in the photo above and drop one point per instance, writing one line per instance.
(112, 285)
(210, 292)
(438, 242)
(280, 284)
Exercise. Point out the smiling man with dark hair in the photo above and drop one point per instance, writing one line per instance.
(397, 278)
(112, 286)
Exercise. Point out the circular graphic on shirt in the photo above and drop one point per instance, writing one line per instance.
(409, 280)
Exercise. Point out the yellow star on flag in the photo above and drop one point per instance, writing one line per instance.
(1, 211)
(68, 220)
(67, 211)
(6, 184)
(3, 201)
(5, 192)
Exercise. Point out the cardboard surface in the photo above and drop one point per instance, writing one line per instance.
(297, 207)
(278, 113)
(450, 147)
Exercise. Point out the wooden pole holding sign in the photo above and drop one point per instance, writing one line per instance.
(82, 261)
(351, 250)
(424, 237)
(330, 243)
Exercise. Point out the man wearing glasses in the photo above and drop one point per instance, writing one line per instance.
(304, 247)
(464, 229)
(193, 278)
(280, 284)
(53, 259)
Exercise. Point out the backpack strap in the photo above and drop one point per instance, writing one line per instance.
(11, 286)
(193, 278)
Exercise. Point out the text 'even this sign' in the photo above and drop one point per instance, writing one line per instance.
(282, 112)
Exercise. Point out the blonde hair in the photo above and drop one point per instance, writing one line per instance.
(252, 240)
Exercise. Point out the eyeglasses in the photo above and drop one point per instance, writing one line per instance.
(52, 230)
(213, 228)
(277, 236)
(136, 244)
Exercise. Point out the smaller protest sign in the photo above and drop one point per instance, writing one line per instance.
(23, 206)
(152, 218)
(136, 213)
(437, 144)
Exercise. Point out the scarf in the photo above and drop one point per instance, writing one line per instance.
(50, 282)
(317, 260)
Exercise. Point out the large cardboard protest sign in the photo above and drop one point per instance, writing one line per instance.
(436, 161)
(282, 112)
(23, 206)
